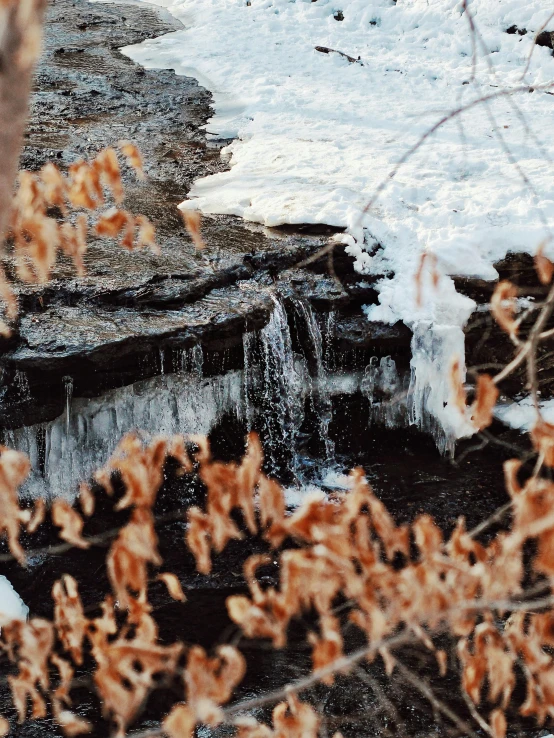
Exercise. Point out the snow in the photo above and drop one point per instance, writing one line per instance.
(315, 135)
(12, 606)
(522, 415)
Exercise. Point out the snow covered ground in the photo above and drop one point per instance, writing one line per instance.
(315, 135)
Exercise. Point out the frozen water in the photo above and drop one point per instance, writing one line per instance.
(12, 606)
(522, 414)
(172, 403)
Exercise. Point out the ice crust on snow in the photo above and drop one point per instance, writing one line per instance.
(315, 135)
(12, 606)
(522, 415)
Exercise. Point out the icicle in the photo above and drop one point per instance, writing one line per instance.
(192, 360)
(68, 385)
(161, 353)
(433, 348)
(197, 360)
(386, 391)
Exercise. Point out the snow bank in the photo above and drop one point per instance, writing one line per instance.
(315, 135)
(12, 606)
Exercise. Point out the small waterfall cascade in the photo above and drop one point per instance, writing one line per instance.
(275, 390)
(286, 392)
(320, 396)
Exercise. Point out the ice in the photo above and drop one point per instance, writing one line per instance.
(167, 404)
(315, 136)
(522, 414)
(12, 606)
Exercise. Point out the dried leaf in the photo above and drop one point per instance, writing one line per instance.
(70, 522)
(133, 155)
(459, 397)
(543, 266)
(173, 586)
(86, 499)
(498, 724)
(180, 722)
(503, 306)
(14, 469)
(71, 724)
(542, 436)
(485, 401)
(192, 220)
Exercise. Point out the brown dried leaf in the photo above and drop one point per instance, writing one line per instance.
(37, 516)
(498, 724)
(192, 220)
(70, 522)
(69, 616)
(146, 234)
(503, 306)
(133, 155)
(198, 538)
(86, 499)
(71, 724)
(173, 586)
(135, 547)
(107, 166)
(180, 722)
(458, 390)
(14, 469)
(542, 436)
(543, 266)
(485, 400)
(295, 719)
(33, 641)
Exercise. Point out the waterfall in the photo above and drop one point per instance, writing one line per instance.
(319, 395)
(281, 407)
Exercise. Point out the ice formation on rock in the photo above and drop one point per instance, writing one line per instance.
(12, 606)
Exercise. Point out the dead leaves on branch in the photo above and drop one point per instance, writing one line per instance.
(38, 233)
(486, 395)
(395, 579)
(503, 306)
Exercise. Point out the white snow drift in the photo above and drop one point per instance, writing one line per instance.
(12, 606)
(315, 135)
